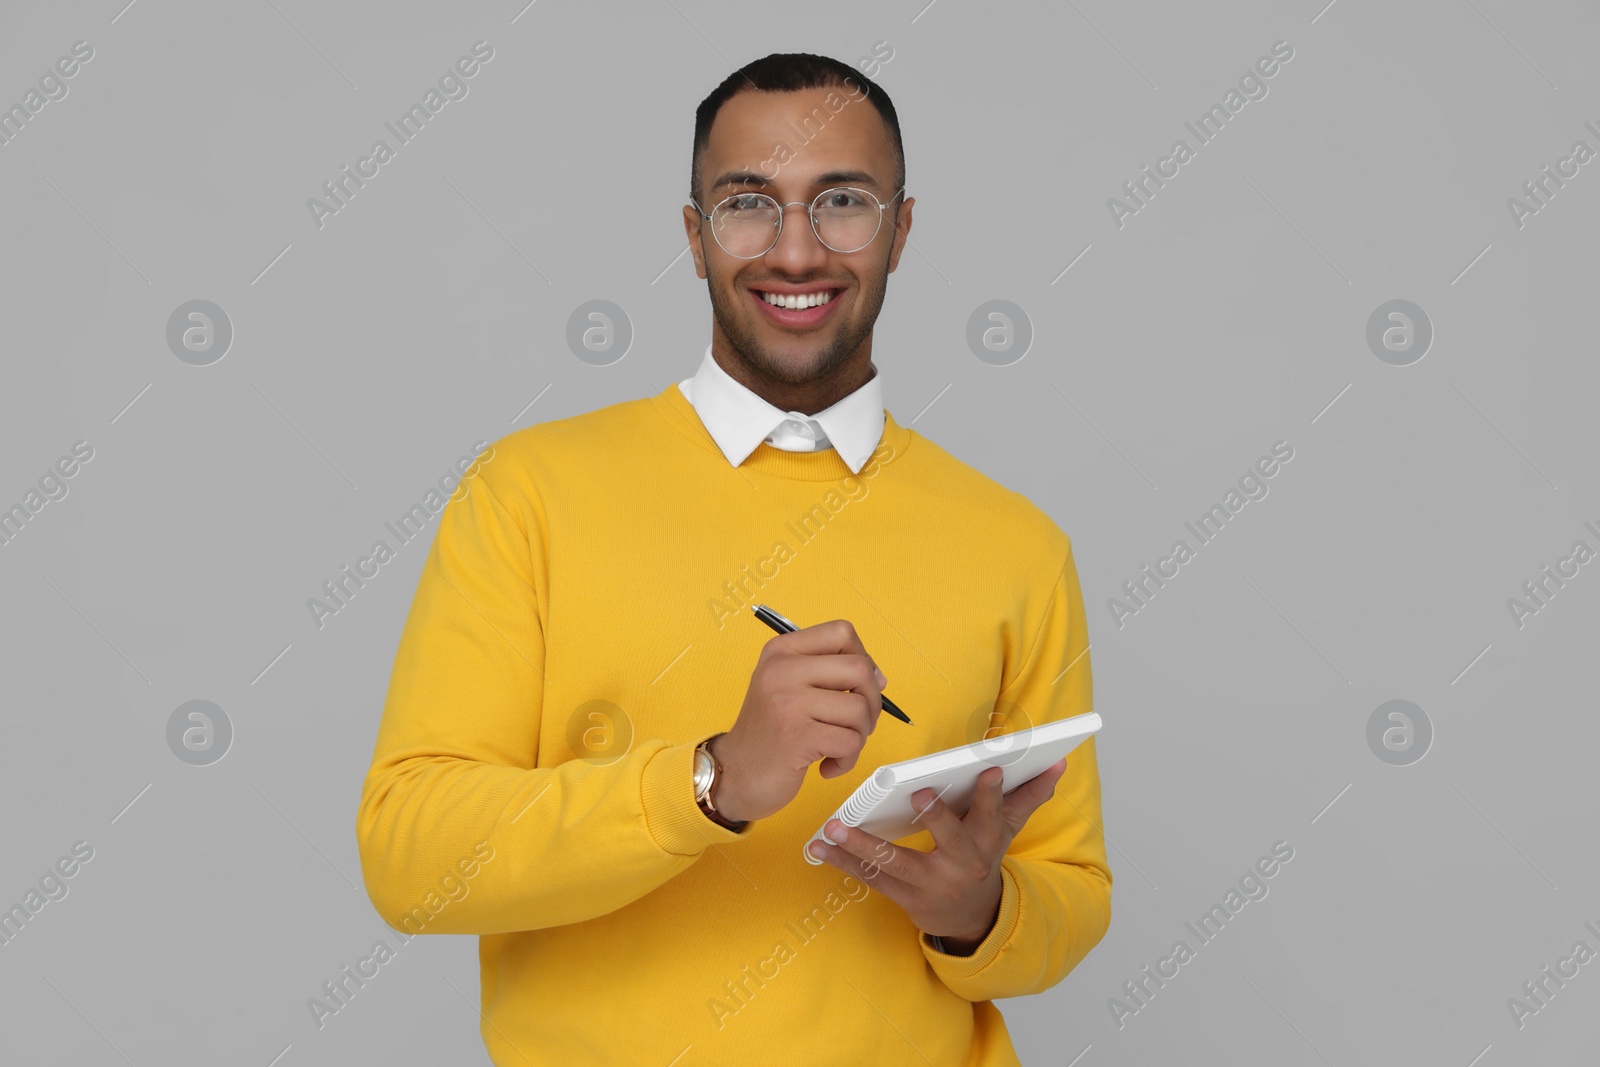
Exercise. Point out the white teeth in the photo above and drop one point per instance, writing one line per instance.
(797, 302)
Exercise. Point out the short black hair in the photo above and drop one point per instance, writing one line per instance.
(783, 72)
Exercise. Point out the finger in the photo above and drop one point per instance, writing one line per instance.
(985, 822)
(934, 815)
(839, 637)
(836, 635)
(897, 862)
(844, 709)
(988, 796)
(1023, 801)
(839, 672)
(838, 747)
(868, 872)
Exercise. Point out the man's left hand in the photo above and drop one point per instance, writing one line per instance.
(952, 892)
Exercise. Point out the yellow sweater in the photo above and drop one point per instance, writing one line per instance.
(583, 621)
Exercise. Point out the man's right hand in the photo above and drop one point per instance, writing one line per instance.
(814, 695)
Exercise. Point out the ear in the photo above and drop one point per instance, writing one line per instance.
(691, 229)
(902, 227)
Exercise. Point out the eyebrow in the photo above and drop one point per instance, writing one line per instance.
(832, 177)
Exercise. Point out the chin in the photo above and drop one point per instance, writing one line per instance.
(798, 360)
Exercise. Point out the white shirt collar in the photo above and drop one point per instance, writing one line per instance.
(739, 420)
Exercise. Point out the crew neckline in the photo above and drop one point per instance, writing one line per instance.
(822, 465)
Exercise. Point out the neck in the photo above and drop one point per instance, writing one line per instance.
(807, 397)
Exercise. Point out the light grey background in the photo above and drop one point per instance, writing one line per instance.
(1228, 314)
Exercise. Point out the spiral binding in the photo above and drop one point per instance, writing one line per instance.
(873, 792)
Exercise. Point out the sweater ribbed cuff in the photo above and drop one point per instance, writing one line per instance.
(988, 950)
(674, 820)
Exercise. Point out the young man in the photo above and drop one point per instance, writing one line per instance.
(594, 755)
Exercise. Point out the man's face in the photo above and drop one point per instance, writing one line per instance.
(758, 144)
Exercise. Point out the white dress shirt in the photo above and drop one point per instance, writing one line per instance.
(739, 420)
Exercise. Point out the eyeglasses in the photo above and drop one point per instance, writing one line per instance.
(747, 225)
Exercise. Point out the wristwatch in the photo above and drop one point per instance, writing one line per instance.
(707, 771)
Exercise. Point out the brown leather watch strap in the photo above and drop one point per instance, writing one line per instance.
(706, 804)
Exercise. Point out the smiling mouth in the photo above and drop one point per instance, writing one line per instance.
(797, 311)
(797, 301)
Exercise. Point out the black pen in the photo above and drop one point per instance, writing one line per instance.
(784, 626)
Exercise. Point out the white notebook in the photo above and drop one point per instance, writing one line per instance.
(882, 806)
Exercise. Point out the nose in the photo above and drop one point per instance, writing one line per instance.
(798, 248)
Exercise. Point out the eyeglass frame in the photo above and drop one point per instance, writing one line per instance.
(810, 213)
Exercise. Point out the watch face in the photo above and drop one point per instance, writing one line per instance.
(703, 768)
